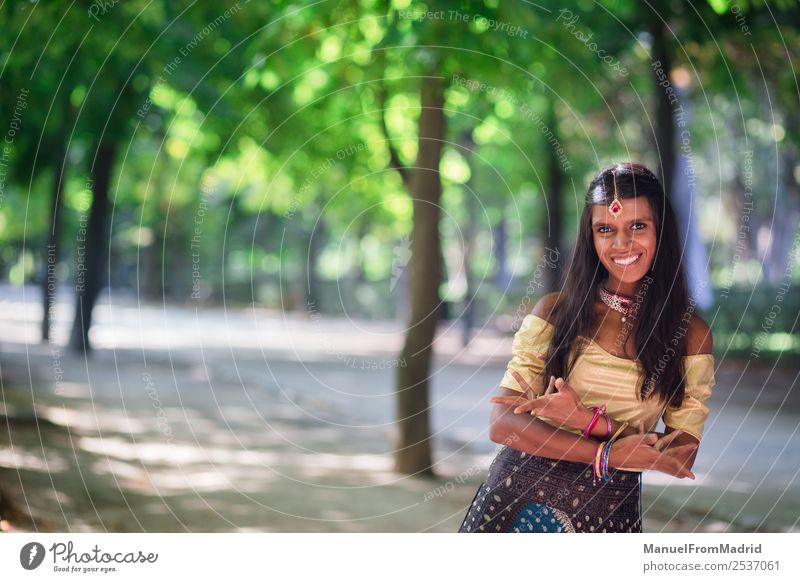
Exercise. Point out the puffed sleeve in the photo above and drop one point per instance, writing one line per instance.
(529, 353)
(699, 380)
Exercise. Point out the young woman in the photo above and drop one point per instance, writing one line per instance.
(594, 368)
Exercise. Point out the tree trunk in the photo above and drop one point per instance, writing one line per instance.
(413, 451)
(554, 216)
(49, 281)
(665, 131)
(398, 284)
(94, 249)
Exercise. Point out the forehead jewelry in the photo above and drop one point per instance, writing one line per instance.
(616, 206)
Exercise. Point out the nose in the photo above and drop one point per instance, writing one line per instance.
(621, 239)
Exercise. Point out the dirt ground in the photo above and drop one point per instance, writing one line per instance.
(248, 420)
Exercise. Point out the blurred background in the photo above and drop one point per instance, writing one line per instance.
(262, 262)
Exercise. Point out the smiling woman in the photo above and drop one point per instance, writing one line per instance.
(624, 239)
(597, 367)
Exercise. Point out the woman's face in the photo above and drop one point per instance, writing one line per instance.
(626, 245)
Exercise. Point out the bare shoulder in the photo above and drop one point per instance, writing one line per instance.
(544, 307)
(699, 339)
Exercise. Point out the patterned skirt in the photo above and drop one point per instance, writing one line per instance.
(526, 493)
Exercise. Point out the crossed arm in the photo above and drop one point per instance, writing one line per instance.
(672, 452)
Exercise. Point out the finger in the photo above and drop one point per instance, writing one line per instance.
(685, 472)
(681, 469)
(508, 400)
(551, 386)
(682, 448)
(530, 405)
(650, 439)
(521, 409)
(641, 427)
(665, 440)
(680, 451)
(562, 386)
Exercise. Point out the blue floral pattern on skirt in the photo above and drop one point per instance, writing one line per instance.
(538, 517)
(529, 494)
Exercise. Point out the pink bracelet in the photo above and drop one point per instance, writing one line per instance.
(595, 418)
(608, 425)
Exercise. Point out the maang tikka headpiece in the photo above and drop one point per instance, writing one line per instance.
(616, 206)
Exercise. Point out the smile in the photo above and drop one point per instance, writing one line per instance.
(629, 260)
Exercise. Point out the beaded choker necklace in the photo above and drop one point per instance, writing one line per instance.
(616, 302)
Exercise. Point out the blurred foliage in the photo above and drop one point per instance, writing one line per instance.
(252, 149)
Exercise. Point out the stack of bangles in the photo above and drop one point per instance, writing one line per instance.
(598, 412)
(602, 455)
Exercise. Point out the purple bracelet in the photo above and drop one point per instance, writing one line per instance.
(604, 460)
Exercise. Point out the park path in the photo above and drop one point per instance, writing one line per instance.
(250, 420)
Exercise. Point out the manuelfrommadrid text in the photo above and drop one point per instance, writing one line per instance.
(695, 549)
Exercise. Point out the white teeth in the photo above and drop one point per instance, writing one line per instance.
(628, 261)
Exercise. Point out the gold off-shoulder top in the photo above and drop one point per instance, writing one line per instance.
(599, 377)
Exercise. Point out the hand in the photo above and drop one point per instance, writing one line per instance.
(644, 451)
(683, 453)
(559, 403)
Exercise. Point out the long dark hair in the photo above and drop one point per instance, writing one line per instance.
(659, 333)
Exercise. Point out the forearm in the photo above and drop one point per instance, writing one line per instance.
(600, 430)
(529, 434)
(532, 435)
